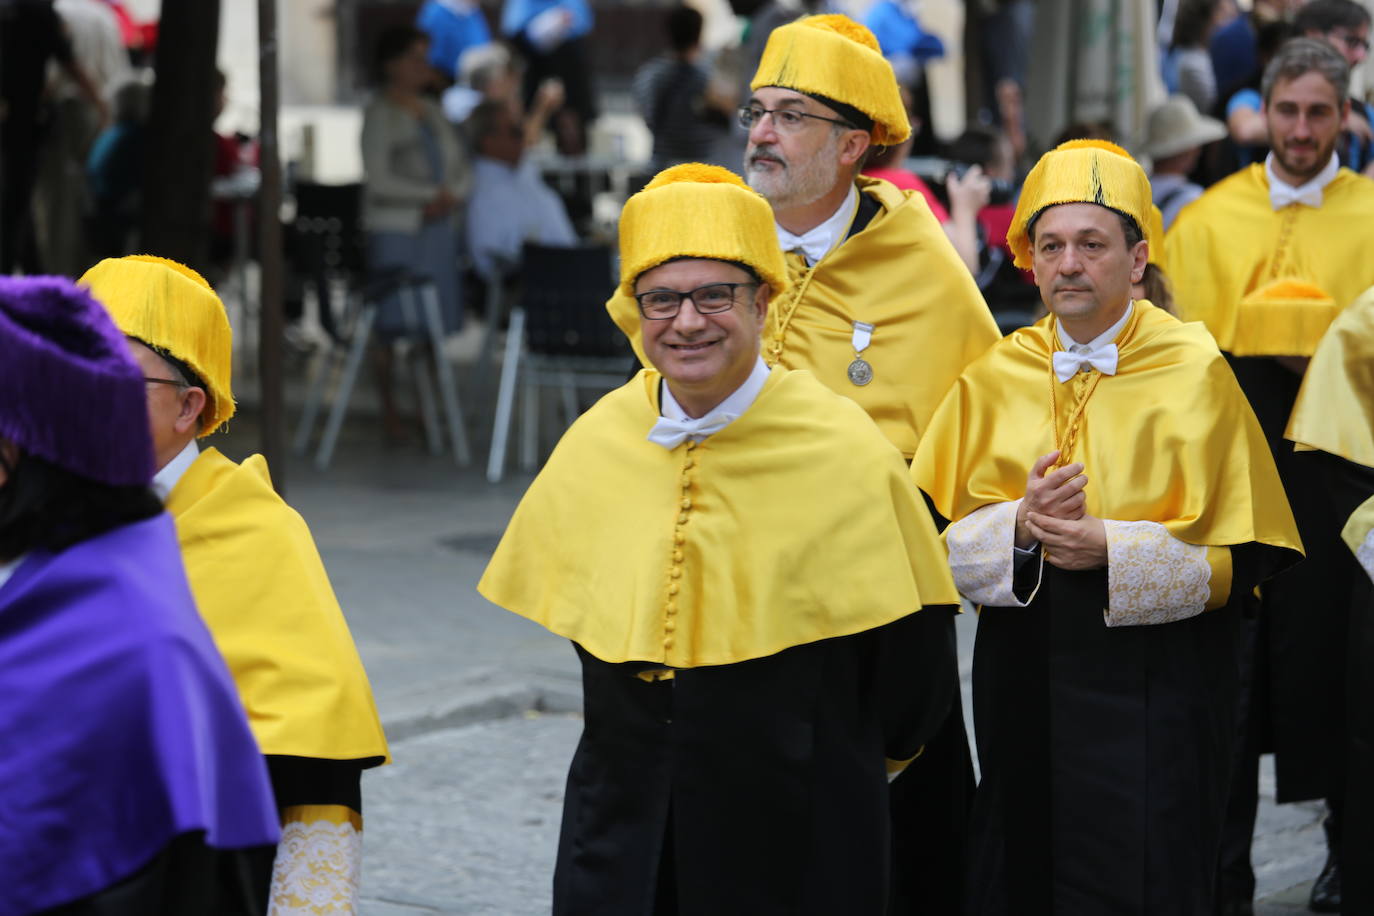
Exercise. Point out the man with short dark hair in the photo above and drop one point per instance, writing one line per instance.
(1344, 24)
(1266, 259)
(674, 96)
(1110, 571)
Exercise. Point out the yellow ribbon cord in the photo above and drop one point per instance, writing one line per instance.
(800, 277)
(1066, 445)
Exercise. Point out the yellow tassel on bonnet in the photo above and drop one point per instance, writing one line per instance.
(834, 56)
(171, 307)
(699, 211)
(1085, 172)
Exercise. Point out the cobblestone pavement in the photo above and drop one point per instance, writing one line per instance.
(482, 706)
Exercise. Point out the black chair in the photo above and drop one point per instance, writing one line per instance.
(559, 337)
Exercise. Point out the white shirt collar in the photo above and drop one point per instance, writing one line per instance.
(9, 569)
(735, 404)
(816, 242)
(1281, 193)
(165, 480)
(1098, 342)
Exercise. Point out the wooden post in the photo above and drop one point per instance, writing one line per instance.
(271, 321)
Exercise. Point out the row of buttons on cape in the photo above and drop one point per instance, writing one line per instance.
(679, 538)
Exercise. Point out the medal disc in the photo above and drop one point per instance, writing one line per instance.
(860, 372)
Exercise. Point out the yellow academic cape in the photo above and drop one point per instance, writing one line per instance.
(795, 523)
(1169, 439)
(259, 583)
(899, 273)
(1230, 244)
(1335, 408)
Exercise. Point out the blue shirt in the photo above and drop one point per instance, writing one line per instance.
(516, 15)
(453, 27)
(898, 32)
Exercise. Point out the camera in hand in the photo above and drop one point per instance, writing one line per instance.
(1000, 191)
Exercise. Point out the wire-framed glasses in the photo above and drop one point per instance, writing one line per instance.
(711, 299)
(786, 120)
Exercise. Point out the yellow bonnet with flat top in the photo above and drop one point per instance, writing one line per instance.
(1085, 172)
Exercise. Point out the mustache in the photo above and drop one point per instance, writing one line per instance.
(769, 152)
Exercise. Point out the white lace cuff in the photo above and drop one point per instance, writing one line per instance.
(318, 863)
(1152, 576)
(981, 557)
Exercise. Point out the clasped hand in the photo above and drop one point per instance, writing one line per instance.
(1054, 512)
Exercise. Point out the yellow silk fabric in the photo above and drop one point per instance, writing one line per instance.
(1335, 408)
(795, 523)
(262, 590)
(900, 274)
(1230, 243)
(1170, 438)
(1358, 526)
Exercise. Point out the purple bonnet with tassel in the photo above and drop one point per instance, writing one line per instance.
(70, 392)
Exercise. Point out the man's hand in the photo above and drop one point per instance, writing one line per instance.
(1078, 544)
(969, 194)
(1058, 494)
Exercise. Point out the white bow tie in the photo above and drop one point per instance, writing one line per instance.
(1067, 365)
(1281, 195)
(672, 433)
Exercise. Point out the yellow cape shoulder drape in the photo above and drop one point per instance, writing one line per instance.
(795, 523)
(1335, 408)
(1228, 246)
(900, 274)
(1170, 438)
(263, 592)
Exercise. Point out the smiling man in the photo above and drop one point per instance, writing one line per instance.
(1267, 258)
(755, 639)
(1112, 501)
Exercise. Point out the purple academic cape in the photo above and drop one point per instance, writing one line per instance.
(120, 728)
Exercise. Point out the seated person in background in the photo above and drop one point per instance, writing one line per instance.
(1174, 139)
(130, 784)
(672, 92)
(489, 73)
(510, 203)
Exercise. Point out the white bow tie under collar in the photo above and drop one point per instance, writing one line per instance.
(1068, 364)
(671, 433)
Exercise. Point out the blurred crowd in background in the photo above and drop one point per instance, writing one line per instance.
(485, 127)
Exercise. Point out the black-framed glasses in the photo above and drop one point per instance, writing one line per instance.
(787, 120)
(166, 381)
(1354, 42)
(711, 299)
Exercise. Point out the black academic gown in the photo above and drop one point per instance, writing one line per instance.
(1349, 485)
(752, 788)
(1104, 752)
(1300, 670)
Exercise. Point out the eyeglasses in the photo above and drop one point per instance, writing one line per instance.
(166, 381)
(785, 120)
(711, 299)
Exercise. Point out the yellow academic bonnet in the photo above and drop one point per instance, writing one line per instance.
(1085, 172)
(699, 211)
(837, 58)
(170, 307)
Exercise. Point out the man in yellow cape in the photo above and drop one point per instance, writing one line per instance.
(1333, 428)
(756, 592)
(258, 582)
(1111, 503)
(879, 307)
(1266, 259)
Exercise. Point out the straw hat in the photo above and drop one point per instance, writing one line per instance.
(1176, 126)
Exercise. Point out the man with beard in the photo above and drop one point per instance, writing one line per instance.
(880, 308)
(1267, 258)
